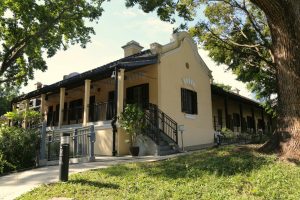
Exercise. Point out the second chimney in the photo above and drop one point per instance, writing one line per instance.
(131, 48)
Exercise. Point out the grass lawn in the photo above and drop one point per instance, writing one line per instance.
(226, 173)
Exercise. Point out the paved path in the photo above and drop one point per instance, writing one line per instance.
(13, 185)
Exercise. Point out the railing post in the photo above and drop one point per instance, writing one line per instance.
(75, 148)
(176, 133)
(83, 143)
(163, 122)
(92, 141)
(42, 159)
(76, 114)
(49, 147)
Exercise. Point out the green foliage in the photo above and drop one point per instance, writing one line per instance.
(33, 117)
(225, 173)
(18, 148)
(14, 115)
(131, 120)
(30, 29)
(167, 8)
(228, 133)
(4, 164)
(237, 34)
(224, 86)
(6, 95)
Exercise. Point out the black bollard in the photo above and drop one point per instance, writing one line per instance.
(64, 157)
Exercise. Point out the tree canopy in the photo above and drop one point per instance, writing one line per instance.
(235, 32)
(32, 29)
(6, 95)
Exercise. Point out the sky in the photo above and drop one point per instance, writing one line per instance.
(117, 26)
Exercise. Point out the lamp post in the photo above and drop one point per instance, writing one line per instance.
(114, 120)
(64, 157)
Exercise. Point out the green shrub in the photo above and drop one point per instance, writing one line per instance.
(4, 163)
(228, 133)
(33, 117)
(18, 148)
(131, 120)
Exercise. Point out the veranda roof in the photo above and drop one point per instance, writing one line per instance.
(135, 61)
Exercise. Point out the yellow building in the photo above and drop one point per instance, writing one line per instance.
(171, 82)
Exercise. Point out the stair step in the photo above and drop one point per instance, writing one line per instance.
(167, 152)
(165, 147)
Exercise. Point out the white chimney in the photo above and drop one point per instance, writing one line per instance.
(131, 48)
(39, 85)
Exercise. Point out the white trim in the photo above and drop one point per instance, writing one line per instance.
(103, 127)
(99, 125)
(190, 116)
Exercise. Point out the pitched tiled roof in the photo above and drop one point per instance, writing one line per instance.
(128, 63)
(220, 91)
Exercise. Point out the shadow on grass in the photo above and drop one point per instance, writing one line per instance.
(97, 184)
(224, 161)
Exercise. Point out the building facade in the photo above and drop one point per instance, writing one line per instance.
(170, 81)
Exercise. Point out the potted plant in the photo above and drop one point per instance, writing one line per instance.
(131, 120)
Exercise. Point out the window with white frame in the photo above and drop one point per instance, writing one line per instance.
(189, 102)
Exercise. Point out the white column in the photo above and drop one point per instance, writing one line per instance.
(61, 106)
(120, 137)
(86, 102)
(120, 102)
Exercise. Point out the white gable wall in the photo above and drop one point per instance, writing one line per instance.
(174, 75)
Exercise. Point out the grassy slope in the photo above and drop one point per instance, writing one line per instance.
(225, 173)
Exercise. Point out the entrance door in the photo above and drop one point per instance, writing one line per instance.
(138, 94)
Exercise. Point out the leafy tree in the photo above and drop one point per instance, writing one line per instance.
(6, 95)
(260, 41)
(30, 29)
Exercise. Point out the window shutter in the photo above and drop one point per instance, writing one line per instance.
(189, 102)
(195, 103)
(182, 100)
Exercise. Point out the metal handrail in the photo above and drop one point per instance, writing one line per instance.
(81, 143)
(164, 123)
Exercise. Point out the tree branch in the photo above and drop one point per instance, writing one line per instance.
(234, 45)
(16, 51)
(12, 79)
(254, 24)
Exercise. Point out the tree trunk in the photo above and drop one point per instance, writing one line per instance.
(284, 19)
